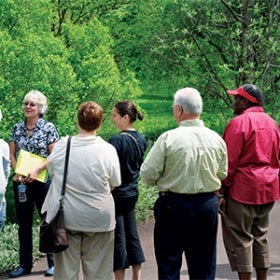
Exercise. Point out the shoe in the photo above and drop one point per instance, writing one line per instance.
(49, 272)
(19, 272)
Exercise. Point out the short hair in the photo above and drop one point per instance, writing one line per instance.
(190, 100)
(128, 108)
(39, 98)
(90, 115)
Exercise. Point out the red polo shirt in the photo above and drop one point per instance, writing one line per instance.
(253, 144)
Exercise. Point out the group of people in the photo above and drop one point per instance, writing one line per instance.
(197, 172)
(101, 189)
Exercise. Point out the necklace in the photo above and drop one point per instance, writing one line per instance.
(30, 129)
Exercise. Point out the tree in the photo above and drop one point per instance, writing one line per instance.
(63, 50)
(222, 44)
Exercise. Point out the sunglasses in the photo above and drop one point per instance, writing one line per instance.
(30, 104)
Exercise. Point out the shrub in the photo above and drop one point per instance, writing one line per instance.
(146, 200)
(9, 247)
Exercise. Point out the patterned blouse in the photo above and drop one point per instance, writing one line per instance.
(43, 135)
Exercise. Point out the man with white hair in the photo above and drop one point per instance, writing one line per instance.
(186, 164)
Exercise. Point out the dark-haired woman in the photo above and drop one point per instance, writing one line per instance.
(130, 146)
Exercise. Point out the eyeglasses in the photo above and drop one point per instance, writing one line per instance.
(30, 104)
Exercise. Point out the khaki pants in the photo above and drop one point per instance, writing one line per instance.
(92, 251)
(245, 229)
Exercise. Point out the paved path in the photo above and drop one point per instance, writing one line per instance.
(223, 269)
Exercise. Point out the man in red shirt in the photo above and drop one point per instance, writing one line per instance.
(252, 185)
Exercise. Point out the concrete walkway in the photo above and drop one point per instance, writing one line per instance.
(149, 271)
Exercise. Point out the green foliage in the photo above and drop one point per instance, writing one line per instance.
(156, 104)
(146, 200)
(9, 195)
(63, 50)
(9, 247)
(216, 45)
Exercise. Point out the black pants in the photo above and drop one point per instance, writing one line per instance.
(128, 250)
(36, 193)
(186, 224)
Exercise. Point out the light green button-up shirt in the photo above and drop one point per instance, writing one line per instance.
(188, 159)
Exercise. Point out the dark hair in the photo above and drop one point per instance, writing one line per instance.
(128, 108)
(255, 92)
(90, 115)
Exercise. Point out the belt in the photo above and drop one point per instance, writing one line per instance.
(169, 193)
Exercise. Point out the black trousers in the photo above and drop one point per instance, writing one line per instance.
(36, 193)
(186, 224)
(128, 250)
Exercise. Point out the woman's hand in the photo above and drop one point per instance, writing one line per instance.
(18, 178)
(32, 176)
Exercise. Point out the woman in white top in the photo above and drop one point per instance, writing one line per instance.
(88, 203)
(4, 176)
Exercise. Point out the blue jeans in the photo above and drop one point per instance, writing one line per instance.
(2, 214)
(186, 224)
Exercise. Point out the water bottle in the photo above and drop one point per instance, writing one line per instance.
(22, 192)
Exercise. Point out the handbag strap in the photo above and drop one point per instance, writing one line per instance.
(65, 171)
(135, 142)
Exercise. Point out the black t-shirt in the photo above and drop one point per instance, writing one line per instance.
(131, 156)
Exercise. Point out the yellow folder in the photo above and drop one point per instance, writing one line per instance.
(26, 162)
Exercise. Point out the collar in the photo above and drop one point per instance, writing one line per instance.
(256, 109)
(38, 124)
(196, 122)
